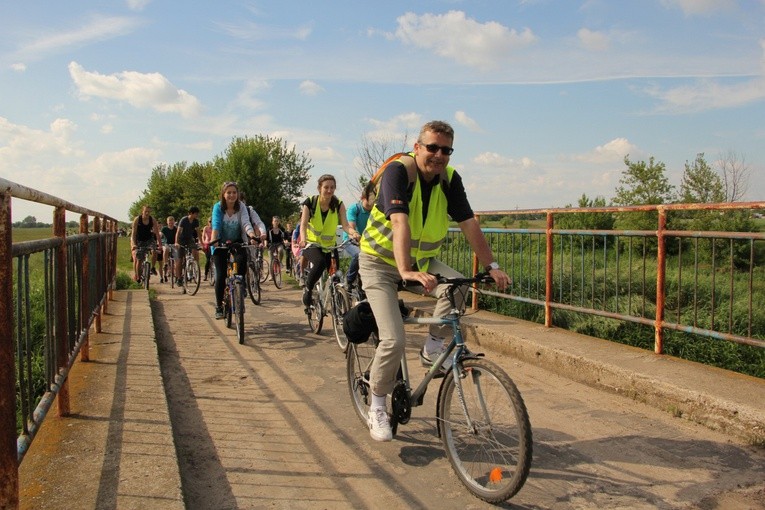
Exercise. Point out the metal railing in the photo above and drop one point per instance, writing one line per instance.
(61, 286)
(707, 283)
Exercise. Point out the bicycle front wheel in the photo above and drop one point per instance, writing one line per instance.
(486, 433)
(276, 273)
(146, 274)
(192, 278)
(340, 305)
(253, 284)
(358, 364)
(263, 270)
(239, 309)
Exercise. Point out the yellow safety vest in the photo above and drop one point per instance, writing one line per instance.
(426, 239)
(322, 231)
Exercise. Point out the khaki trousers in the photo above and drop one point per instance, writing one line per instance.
(380, 281)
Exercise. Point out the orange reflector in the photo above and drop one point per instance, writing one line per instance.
(495, 475)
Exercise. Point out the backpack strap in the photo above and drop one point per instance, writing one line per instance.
(312, 208)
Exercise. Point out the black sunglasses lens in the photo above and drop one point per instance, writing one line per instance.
(433, 148)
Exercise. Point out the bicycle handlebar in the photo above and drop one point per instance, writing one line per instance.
(482, 277)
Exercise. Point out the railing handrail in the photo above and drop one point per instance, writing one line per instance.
(660, 234)
(40, 197)
(70, 286)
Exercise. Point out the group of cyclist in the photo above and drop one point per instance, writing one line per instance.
(171, 241)
(400, 222)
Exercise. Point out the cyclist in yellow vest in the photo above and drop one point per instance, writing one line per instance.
(417, 194)
(321, 214)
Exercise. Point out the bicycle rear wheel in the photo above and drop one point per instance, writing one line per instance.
(253, 284)
(358, 363)
(341, 304)
(276, 272)
(316, 314)
(191, 279)
(490, 447)
(239, 309)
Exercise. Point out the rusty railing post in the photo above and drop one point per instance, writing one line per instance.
(661, 266)
(60, 311)
(9, 464)
(101, 269)
(474, 302)
(85, 309)
(549, 270)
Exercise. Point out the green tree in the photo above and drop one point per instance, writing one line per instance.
(700, 183)
(172, 189)
(271, 174)
(29, 222)
(642, 184)
(587, 221)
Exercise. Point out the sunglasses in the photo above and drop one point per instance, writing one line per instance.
(434, 148)
(229, 183)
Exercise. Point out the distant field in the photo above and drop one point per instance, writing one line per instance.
(30, 234)
(33, 234)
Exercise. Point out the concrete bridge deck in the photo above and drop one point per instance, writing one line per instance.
(173, 412)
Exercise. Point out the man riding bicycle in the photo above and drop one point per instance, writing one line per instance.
(417, 194)
(186, 239)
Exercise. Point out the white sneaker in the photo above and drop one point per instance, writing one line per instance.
(432, 349)
(379, 425)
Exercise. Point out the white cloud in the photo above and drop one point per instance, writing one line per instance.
(247, 96)
(142, 90)
(107, 128)
(592, 40)
(19, 67)
(137, 5)
(462, 118)
(17, 142)
(453, 35)
(396, 129)
(611, 152)
(708, 95)
(325, 154)
(99, 28)
(703, 7)
(495, 160)
(107, 183)
(310, 88)
(249, 31)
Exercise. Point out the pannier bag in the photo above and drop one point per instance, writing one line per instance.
(359, 322)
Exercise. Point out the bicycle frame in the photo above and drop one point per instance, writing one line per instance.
(457, 343)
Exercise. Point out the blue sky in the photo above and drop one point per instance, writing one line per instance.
(546, 97)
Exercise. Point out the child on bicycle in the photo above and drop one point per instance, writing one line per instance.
(276, 238)
(418, 192)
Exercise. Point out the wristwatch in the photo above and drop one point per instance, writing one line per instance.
(491, 266)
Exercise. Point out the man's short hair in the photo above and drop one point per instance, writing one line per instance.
(437, 126)
(193, 209)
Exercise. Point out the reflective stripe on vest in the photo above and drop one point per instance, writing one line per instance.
(322, 231)
(426, 239)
